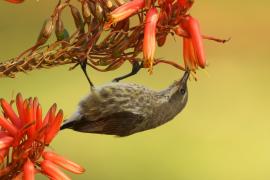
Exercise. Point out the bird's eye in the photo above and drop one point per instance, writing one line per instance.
(183, 91)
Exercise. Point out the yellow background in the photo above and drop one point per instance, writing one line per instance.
(223, 133)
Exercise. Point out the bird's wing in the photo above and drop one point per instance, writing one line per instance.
(120, 124)
(113, 99)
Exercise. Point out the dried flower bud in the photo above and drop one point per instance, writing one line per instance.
(86, 12)
(109, 4)
(119, 2)
(77, 18)
(59, 28)
(99, 13)
(60, 32)
(92, 7)
(46, 31)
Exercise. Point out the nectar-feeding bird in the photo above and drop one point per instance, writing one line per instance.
(123, 109)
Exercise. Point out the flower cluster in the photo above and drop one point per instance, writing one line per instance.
(171, 14)
(24, 137)
(123, 40)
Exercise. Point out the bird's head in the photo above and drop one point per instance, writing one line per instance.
(178, 90)
(183, 83)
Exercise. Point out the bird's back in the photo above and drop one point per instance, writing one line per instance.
(118, 97)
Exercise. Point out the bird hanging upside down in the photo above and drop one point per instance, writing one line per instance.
(123, 109)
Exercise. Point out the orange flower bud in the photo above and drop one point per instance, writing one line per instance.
(52, 170)
(39, 117)
(63, 162)
(149, 41)
(190, 58)
(6, 142)
(12, 130)
(28, 170)
(124, 11)
(54, 126)
(191, 26)
(10, 113)
(19, 104)
(30, 119)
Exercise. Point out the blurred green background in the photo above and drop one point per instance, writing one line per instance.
(224, 132)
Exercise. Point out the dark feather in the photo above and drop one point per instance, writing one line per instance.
(120, 124)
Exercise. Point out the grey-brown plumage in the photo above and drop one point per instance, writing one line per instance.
(124, 109)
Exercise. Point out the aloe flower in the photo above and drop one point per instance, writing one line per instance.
(193, 49)
(149, 41)
(24, 137)
(124, 11)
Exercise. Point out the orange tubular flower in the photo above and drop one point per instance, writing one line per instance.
(124, 11)
(52, 171)
(29, 170)
(23, 140)
(63, 162)
(193, 45)
(149, 41)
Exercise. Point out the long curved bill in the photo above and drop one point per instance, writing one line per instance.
(185, 76)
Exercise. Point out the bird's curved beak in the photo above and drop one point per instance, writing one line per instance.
(185, 77)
